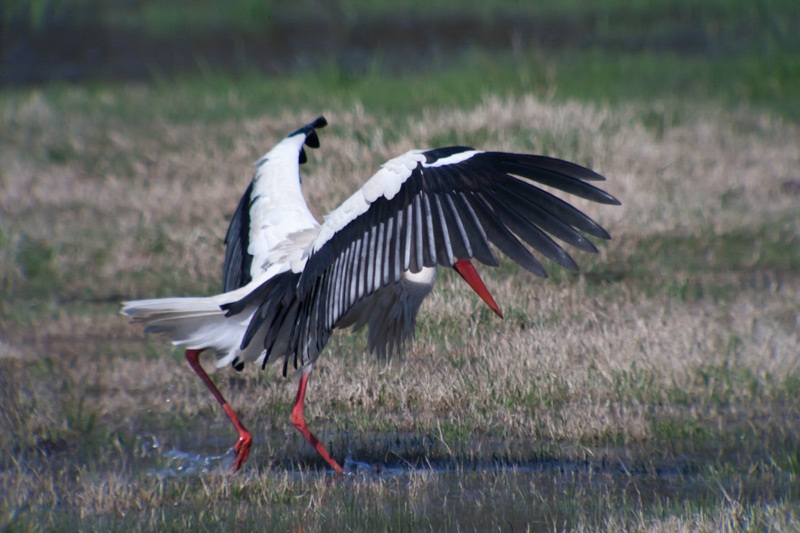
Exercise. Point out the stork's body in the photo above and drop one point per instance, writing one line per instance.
(290, 281)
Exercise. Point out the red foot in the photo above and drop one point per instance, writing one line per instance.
(242, 446)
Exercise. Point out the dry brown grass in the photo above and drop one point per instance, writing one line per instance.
(582, 364)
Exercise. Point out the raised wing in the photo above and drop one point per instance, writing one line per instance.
(435, 207)
(420, 210)
(271, 208)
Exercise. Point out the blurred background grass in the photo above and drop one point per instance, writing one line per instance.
(395, 56)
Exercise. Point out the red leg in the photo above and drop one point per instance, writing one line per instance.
(242, 446)
(300, 423)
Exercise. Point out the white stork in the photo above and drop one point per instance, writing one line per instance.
(290, 280)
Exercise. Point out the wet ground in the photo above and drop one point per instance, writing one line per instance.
(567, 486)
(677, 473)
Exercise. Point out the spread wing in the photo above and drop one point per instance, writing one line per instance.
(422, 209)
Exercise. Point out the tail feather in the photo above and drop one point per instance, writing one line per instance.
(159, 308)
(197, 323)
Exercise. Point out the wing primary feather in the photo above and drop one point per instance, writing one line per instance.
(428, 235)
(343, 278)
(444, 248)
(293, 342)
(286, 363)
(388, 246)
(318, 300)
(237, 263)
(357, 272)
(316, 316)
(255, 323)
(505, 241)
(282, 304)
(362, 264)
(561, 181)
(314, 326)
(273, 333)
(567, 184)
(534, 236)
(461, 244)
(272, 293)
(375, 260)
(270, 337)
(558, 207)
(371, 257)
(377, 281)
(270, 333)
(352, 274)
(324, 299)
(342, 275)
(477, 235)
(330, 298)
(544, 162)
(545, 220)
(333, 294)
(341, 261)
(299, 342)
(297, 336)
(418, 245)
(408, 240)
(381, 216)
(399, 244)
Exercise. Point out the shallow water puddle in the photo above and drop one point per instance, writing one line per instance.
(180, 463)
(649, 476)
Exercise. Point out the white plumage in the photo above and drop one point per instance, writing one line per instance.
(278, 210)
(290, 281)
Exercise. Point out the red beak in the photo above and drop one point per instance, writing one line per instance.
(470, 275)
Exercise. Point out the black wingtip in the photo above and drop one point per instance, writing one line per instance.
(312, 139)
(319, 123)
(309, 128)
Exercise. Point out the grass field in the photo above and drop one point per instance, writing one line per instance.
(657, 390)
